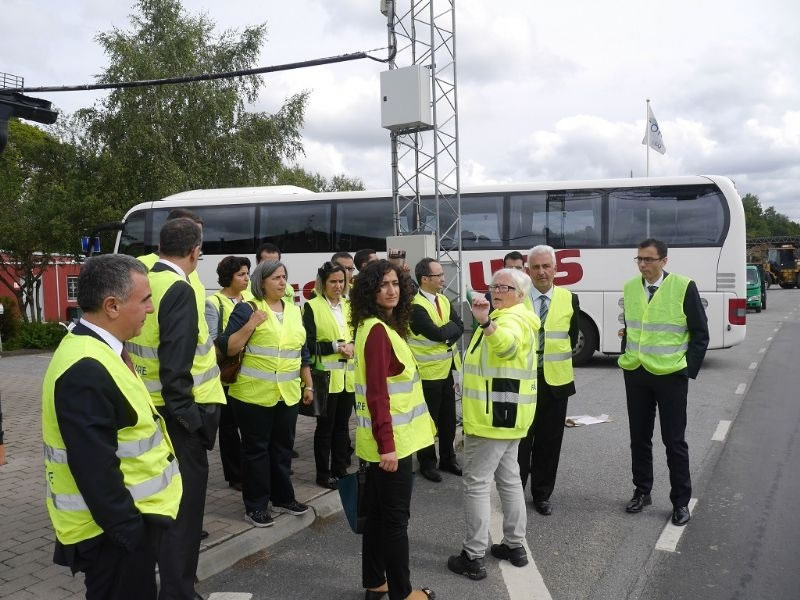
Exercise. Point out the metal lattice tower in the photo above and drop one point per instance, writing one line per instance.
(425, 164)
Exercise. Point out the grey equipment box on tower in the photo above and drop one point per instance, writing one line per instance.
(406, 98)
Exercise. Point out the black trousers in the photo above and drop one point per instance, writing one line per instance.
(332, 436)
(441, 400)
(180, 544)
(267, 441)
(113, 572)
(540, 449)
(384, 546)
(230, 445)
(645, 392)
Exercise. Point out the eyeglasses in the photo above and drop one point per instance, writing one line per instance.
(502, 289)
(648, 260)
(435, 275)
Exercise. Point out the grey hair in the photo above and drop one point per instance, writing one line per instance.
(106, 275)
(541, 249)
(260, 273)
(521, 280)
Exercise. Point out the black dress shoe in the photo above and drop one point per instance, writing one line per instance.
(543, 507)
(638, 502)
(204, 534)
(680, 515)
(451, 467)
(373, 595)
(330, 483)
(431, 474)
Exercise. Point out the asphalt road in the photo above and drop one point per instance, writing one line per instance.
(590, 548)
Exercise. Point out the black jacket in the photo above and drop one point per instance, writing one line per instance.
(90, 410)
(422, 324)
(697, 323)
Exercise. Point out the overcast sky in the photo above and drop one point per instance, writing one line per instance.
(547, 91)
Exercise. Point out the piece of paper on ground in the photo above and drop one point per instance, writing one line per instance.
(586, 420)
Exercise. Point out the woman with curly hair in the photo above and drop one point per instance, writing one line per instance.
(392, 423)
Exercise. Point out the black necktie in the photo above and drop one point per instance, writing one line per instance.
(652, 289)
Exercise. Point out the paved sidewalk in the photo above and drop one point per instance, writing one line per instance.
(26, 537)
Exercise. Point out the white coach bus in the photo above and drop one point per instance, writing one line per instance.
(594, 226)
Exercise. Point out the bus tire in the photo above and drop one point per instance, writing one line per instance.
(587, 341)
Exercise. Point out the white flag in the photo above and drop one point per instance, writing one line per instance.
(656, 141)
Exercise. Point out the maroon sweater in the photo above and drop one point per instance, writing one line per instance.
(381, 362)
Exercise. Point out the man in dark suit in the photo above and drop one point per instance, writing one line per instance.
(663, 344)
(104, 443)
(174, 354)
(558, 310)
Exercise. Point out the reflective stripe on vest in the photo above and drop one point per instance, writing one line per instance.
(329, 330)
(657, 336)
(435, 359)
(271, 363)
(412, 426)
(143, 349)
(146, 464)
(499, 392)
(137, 492)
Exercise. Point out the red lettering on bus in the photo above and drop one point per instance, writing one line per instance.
(567, 271)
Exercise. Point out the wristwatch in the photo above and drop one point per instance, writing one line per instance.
(485, 325)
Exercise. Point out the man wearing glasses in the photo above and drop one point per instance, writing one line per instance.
(558, 310)
(664, 342)
(435, 330)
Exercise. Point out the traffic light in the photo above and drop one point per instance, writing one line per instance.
(14, 104)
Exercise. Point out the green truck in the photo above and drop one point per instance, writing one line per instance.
(756, 288)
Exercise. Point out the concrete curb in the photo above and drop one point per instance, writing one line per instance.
(224, 555)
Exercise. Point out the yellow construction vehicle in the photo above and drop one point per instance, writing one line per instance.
(783, 267)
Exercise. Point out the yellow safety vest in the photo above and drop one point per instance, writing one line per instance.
(656, 333)
(149, 470)
(435, 359)
(499, 388)
(225, 307)
(329, 330)
(557, 357)
(412, 426)
(271, 363)
(143, 349)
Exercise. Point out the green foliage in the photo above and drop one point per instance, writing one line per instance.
(766, 222)
(10, 319)
(38, 336)
(159, 140)
(317, 183)
(47, 199)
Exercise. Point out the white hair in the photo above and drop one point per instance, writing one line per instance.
(541, 249)
(521, 280)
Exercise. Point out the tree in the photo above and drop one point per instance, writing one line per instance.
(47, 198)
(766, 222)
(317, 183)
(160, 140)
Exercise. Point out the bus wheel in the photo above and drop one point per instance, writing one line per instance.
(587, 341)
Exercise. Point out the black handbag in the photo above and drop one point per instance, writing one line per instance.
(322, 381)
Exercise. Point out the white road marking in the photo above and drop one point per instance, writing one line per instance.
(522, 583)
(762, 350)
(753, 366)
(721, 432)
(230, 596)
(742, 387)
(668, 540)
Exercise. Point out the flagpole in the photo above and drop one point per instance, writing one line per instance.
(647, 124)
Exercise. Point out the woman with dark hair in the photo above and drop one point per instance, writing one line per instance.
(392, 423)
(330, 341)
(233, 275)
(275, 369)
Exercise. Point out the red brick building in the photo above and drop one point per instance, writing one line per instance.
(59, 290)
